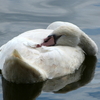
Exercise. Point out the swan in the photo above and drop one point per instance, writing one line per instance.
(41, 54)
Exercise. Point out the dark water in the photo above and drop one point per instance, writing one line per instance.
(17, 16)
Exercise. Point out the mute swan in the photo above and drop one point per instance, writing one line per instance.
(41, 54)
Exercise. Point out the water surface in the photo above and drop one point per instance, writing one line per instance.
(17, 16)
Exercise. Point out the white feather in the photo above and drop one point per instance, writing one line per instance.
(46, 62)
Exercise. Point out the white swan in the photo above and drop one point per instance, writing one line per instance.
(42, 54)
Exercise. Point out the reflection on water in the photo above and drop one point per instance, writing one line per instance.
(12, 91)
(86, 75)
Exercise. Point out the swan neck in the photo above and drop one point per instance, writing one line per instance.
(88, 45)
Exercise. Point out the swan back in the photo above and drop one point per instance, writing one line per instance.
(57, 24)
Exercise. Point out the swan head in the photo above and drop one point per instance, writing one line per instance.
(71, 35)
(63, 36)
(66, 36)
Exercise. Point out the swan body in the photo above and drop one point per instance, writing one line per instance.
(22, 61)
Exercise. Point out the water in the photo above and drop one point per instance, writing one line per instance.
(17, 16)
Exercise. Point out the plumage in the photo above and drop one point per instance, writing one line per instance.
(23, 62)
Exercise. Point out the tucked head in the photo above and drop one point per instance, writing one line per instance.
(64, 36)
(70, 35)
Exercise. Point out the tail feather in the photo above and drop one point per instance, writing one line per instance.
(18, 71)
(17, 55)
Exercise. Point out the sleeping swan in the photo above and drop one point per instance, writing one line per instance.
(42, 54)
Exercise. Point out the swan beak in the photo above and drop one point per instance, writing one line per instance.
(49, 41)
